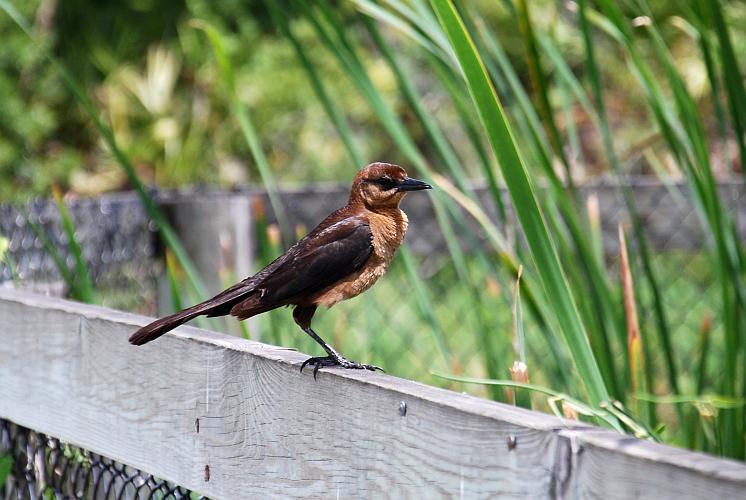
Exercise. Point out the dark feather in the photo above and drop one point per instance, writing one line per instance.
(337, 247)
(314, 263)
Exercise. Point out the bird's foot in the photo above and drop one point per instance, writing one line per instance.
(324, 361)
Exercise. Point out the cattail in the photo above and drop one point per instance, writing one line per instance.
(705, 328)
(634, 342)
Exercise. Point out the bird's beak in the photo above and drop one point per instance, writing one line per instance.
(409, 184)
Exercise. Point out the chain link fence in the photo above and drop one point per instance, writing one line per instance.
(42, 467)
(117, 238)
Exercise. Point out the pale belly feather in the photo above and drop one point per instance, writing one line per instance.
(388, 233)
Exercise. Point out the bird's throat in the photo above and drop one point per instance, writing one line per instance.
(388, 228)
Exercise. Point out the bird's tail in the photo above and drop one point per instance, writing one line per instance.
(164, 325)
(216, 306)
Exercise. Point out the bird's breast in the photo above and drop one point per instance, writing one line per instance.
(388, 232)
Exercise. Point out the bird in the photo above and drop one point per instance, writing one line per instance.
(339, 259)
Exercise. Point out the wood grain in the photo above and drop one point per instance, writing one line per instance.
(267, 431)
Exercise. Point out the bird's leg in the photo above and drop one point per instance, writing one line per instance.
(333, 358)
(303, 316)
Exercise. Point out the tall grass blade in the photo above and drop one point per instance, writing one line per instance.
(82, 277)
(519, 370)
(727, 247)
(242, 116)
(524, 200)
(332, 110)
(683, 130)
(640, 238)
(78, 282)
(59, 260)
(519, 334)
(173, 283)
(697, 30)
(636, 361)
(700, 377)
(541, 88)
(567, 215)
(412, 31)
(732, 74)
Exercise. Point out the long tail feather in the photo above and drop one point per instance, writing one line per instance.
(220, 305)
(160, 326)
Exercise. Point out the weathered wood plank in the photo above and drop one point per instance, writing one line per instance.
(267, 431)
(607, 465)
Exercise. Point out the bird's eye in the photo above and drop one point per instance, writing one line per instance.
(386, 183)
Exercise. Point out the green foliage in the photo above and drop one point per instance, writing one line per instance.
(80, 279)
(524, 199)
(6, 464)
(33, 155)
(155, 79)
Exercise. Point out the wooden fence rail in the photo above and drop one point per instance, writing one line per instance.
(198, 399)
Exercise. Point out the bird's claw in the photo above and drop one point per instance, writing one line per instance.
(324, 361)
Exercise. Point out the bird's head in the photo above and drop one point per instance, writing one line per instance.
(383, 185)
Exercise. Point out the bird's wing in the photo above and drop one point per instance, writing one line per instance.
(336, 252)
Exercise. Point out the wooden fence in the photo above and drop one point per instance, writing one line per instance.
(196, 402)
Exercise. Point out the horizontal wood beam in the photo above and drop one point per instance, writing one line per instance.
(197, 399)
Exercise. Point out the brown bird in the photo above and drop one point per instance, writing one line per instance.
(341, 258)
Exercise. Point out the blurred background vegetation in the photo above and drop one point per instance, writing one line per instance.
(153, 76)
(229, 93)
